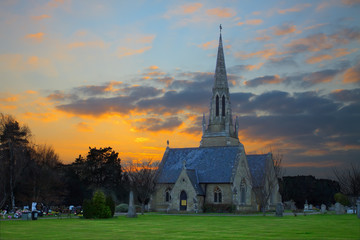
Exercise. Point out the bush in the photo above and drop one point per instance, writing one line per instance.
(111, 204)
(97, 208)
(341, 198)
(123, 207)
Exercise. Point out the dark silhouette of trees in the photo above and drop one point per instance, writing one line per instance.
(302, 188)
(101, 169)
(14, 139)
(141, 177)
(349, 180)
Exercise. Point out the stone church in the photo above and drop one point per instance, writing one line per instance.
(219, 173)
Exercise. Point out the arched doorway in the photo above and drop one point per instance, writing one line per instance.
(183, 201)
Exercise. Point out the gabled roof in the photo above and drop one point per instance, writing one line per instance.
(212, 164)
(257, 166)
(195, 181)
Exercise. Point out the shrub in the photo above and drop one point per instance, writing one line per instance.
(111, 204)
(96, 207)
(341, 198)
(123, 207)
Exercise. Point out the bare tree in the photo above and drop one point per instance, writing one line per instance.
(349, 180)
(141, 178)
(265, 180)
(13, 145)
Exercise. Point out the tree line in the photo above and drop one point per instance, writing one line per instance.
(34, 173)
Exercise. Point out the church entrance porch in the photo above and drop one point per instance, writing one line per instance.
(183, 201)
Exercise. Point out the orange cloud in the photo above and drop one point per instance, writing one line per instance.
(319, 58)
(221, 12)
(83, 127)
(40, 17)
(36, 36)
(141, 140)
(266, 54)
(340, 52)
(124, 52)
(296, 8)
(208, 45)
(10, 99)
(286, 29)
(184, 10)
(153, 67)
(253, 67)
(251, 22)
(350, 2)
(99, 44)
(352, 75)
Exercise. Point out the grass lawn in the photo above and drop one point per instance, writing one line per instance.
(187, 227)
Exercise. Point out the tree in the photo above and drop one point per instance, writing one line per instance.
(266, 181)
(141, 178)
(13, 146)
(100, 170)
(97, 207)
(44, 179)
(349, 180)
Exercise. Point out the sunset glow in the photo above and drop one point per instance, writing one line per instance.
(133, 74)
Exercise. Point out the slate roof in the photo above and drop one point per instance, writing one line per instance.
(257, 168)
(195, 181)
(212, 164)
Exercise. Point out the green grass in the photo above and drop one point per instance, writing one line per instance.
(187, 227)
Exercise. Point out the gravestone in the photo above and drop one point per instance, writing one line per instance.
(279, 209)
(339, 209)
(358, 208)
(310, 207)
(131, 211)
(323, 208)
(306, 206)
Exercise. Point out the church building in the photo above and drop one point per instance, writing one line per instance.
(218, 174)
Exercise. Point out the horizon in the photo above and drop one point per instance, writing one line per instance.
(133, 75)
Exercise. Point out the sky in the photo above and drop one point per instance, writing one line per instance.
(133, 74)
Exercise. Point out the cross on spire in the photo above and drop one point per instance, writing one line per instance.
(220, 28)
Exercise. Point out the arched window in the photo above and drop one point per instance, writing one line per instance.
(217, 195)
(167, 195)
(217, 105)
(223, 106)
(243, 192)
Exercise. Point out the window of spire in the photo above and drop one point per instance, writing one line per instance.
(223, 106)
(217, 105)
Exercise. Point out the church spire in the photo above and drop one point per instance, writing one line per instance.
(220, 130)
(220, 70)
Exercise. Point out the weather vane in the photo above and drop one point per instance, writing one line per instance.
(220, 28)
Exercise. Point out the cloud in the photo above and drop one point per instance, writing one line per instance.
(251, 22)
(221, 12)
(208, 45)
(265, 54)
(350, 2)
(183, 10)
(125, 52)
(158, 124)
(264, 80)
(35, 36)
(40, 17)
(141, 140)
(98, 44)
(346, 95)
(352, 75)
(83, 127)
(296, 8)
(285, 29)
(318, 58)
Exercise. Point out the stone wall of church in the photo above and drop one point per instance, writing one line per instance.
(226, 193)
(158, 199)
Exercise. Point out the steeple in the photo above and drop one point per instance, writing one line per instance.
(220, 130)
